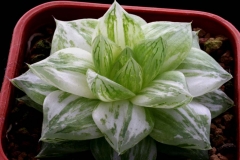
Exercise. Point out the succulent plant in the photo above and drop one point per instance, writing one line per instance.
(128, 87)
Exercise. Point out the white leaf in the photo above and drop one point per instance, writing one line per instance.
(68, 117)
(66, 69)
(122, 123)
(33, 86)
(169, 90)
(186, 127)
(202, 72)
(76, 33)
(216, 101)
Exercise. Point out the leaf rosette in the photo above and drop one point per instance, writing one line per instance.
(133, 83)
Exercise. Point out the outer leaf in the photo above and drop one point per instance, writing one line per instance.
(202, 72)
(60, 149)
(150, 55)
(216, 101)
(182, 153)
(76, 33)
(122, 123)
(186, 127)
(145, 149)
(33, 86)
(169, 90)
(101, 150)
(66, 70)
(178, 38)
(106, 89)
(68, 117)
(195, 42)
(130, 76)
(138, 19)
(120, 27)
(30, 103)
(105, 52)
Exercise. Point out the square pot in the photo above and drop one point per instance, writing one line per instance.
(66, 10)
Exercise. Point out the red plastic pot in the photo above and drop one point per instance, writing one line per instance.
(67, 10)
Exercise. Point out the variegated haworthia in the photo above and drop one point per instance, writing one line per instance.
(125, 85)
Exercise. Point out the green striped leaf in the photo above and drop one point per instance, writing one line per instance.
(169, 90)
(150, 54)
(182, 153)
(216, 101)
(145, 149)
(62, 149)
(122, 123)
(186, 127)
(66, 69)
(68, 117)
(130, 76)
(30, 103)
(201, 70)
(106, 89)
(33, 86)
(122, 59)
(178, 39)
(120, 27)
(105, 52)
(76, 33)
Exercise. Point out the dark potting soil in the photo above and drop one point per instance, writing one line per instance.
(25, 122)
